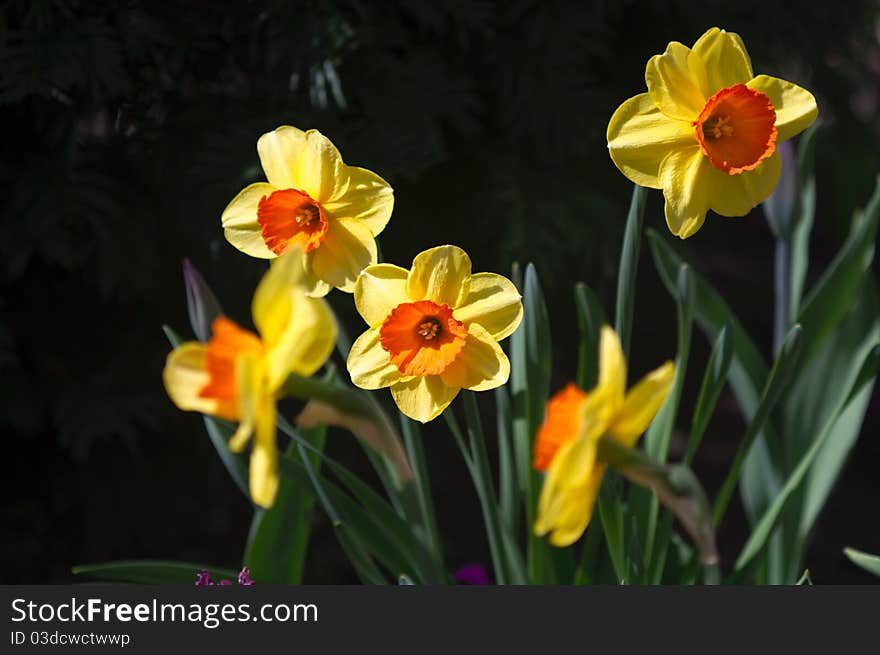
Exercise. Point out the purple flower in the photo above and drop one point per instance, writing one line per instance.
(473, 574)
(244, 578)
(203, 579)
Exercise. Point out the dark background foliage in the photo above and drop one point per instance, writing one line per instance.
(129, 126)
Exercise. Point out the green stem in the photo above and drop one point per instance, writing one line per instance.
(629, 263)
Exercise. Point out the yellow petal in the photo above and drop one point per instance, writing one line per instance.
(736, 195)
(439, 274)
(185, 375)
(319, 168)
(366, 198)
(642, 403)
(249, 371)
(278, 152)
(566, 501)
(299, 332)
(240, 221)
(795, 107)
(612, 372)
(493, 302)
(672, 84)
(369, 364)
(640, 136)
(423, 398)
(314, 286)
(348, 248)
(725, 59)
(264, 480)
(378, 290)
(481, 365)
(574, 519)
(684, 175)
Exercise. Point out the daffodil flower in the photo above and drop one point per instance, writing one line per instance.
(566, 445)
(433, 330)
(312, 200)
(707, 129)
(237, 375)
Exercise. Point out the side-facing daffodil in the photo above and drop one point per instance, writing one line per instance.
(433, 330)
(237, 375)
(707, 129)
(566, 445)
(332, 211)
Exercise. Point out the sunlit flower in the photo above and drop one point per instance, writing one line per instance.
(707, 129)
(433, 330)
(566, 444)
(313, 200)
(237, 375)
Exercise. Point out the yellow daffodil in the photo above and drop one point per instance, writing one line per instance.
(237, 375)
(566, 444)
(332, 211)
(707, 129)
(433, 330)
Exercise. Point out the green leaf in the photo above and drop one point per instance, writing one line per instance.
(783, 372)
(747, 372)
(714, 379)
(590, 319)
(831, 298)
(800, 234)
(871, 563)
(629, 264)
(153, 572)
(279, 535)
(768, 521)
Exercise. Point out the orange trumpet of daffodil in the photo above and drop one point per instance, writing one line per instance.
(237, 374)
(434, 329)
(566, 444)
(312, 200)
(707, 129)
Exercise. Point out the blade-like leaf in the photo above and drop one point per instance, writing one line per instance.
(871, 563)
(153, 572)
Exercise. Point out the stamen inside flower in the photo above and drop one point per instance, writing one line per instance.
(423, 338)
(736, 129)
(227, 342)
(290, 217)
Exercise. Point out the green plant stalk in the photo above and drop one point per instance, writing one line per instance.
(629, 263)
(487, 501)
(412, 440)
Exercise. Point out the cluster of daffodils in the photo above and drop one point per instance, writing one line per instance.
(705, 133)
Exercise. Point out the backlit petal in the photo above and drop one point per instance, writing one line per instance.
(299, 332)
(423, 398)
(314, 286)
(264, 480)
(795, 107)
(367, 198)
(736, 195)
(369, 364)
(481, 365)
(493, 302)
(642, 403)
(684, 175)
(439, 275)
(279, 151)
(672, 85)
(640, 136)
(319, 168)
(240, 221)
(612, 373)
(725, 60)
(379, 289)
(185, 375)
(348, 248)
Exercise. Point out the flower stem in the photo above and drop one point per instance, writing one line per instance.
(782, 292)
